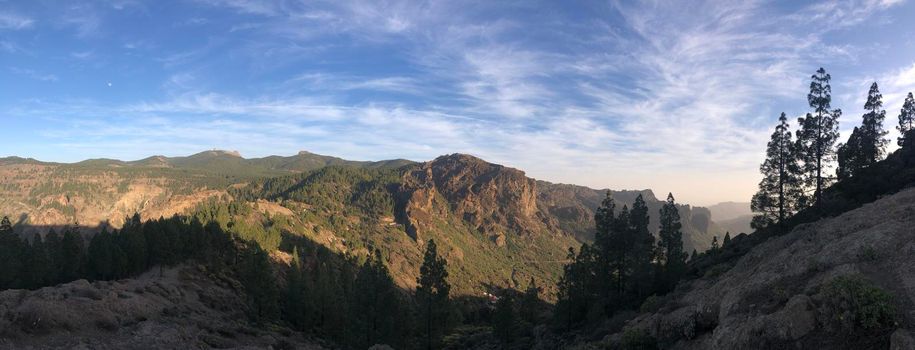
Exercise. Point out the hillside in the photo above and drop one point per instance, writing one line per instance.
(781, 294)
(183, 307)
(100, 192)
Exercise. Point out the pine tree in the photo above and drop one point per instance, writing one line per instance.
(643, 251)
(715, 247)
(817, 135)
(850, 155)
(376, 308)
(727, 239)
(530, 303)
(432, 297)
(873, 145)
(505, 319)
(10, 255)
(73, 255)
(780, 190)
(36, 266)
(906, 118)
(671, 243)
(608, 244)
(256, 275)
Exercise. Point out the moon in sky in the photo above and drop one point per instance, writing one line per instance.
(109, 84)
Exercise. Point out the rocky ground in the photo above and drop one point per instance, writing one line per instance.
(773, 298)
(185, 307)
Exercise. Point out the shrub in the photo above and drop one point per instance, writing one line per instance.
(855, 303)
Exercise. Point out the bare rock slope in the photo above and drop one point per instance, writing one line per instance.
(183, 308)
(773, 298)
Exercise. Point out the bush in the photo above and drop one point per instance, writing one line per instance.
(855, 303)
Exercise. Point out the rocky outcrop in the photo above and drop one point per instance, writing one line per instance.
(773, 297)
(490, 198)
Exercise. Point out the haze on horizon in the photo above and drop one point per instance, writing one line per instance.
(673, 97)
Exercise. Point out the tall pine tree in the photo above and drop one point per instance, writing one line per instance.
(906, 118)
(874, 141)
(818, 134)
(432, 297)
(780, 190)
(670, 244)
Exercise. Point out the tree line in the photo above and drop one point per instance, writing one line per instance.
(322, 293)
(624, 266)
(796, 168)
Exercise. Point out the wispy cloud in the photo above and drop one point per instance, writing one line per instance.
(31, 74)
(14, 21)
(673, 95)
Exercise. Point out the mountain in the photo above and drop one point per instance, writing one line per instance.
(730, 210)
(496, 226)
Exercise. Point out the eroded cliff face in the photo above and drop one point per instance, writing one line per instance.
(490, 198)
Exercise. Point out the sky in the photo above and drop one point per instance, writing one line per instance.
(675, 96)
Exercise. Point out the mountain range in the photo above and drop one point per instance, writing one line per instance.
(497, 226)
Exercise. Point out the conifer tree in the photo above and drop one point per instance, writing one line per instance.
(727, 239)
(671, 243)
(850, 155)
(530, 303)
(817, 135)
(256, 276)
(643, 250)
(505, 319)
(873, 145)
(72, 255)
(715, 247)
(10, 255)
(906, 118)
(376, 307)
(432, 297)
(780, 190)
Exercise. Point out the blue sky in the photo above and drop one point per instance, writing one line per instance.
(675, 96)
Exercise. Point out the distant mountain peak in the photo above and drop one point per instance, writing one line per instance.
(219, 152)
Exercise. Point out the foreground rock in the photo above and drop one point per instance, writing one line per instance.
(183, 308)
(776, 296)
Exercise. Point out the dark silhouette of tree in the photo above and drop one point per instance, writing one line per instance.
(818, 134)
(72, 250)
(643, 251)
(867, 143)
(906, 118)
(727, 239)
(10, 255)
(256, 275)
(873, 146)
(432, 297)
(780, 191)
(505, 319)
(671, 254)
(530, 303)
(377, 313)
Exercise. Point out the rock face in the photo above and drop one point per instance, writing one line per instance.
(496, 200)
(490, 198)
(185, 307)
(772, 297)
